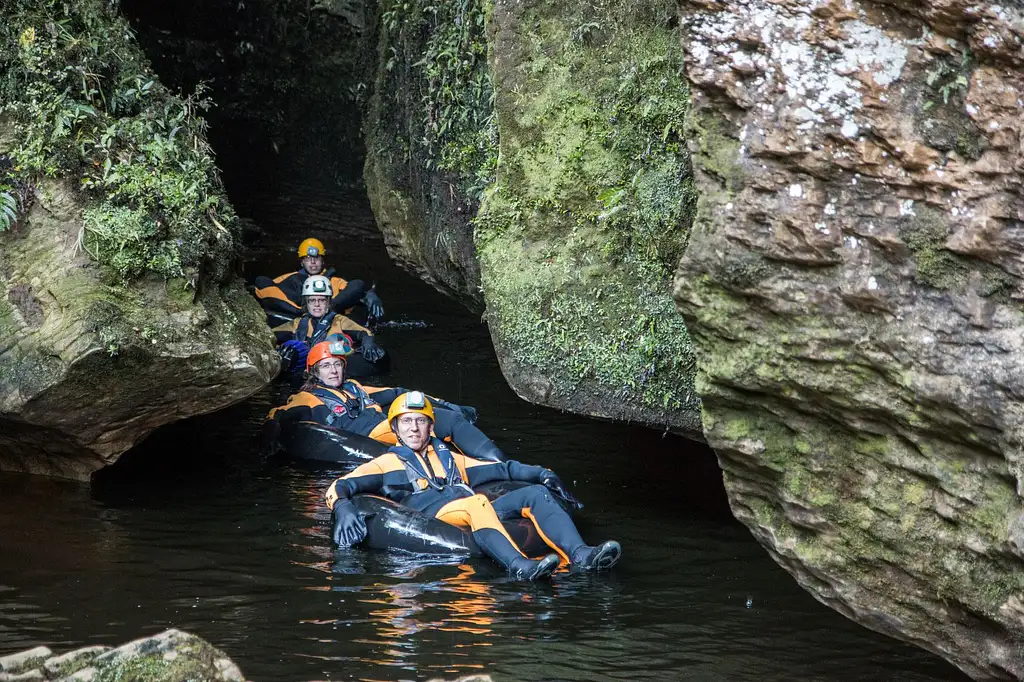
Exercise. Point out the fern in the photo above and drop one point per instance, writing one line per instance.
(8, 207)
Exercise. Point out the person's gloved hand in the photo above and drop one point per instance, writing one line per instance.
(550, 480)
(468, 412)
(370, 350)
(349, 527)
(293, 354)
(373, 304)
(288, 357)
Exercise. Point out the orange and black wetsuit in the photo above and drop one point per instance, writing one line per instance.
(363, 409)
(312, 332)
(282, 296)
(438, 482)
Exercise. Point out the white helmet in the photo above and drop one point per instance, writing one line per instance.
(317, 285)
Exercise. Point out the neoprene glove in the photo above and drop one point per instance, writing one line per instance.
(468, 412)
(550, 480)
(373, 304)
(349, 527)
(370, 350)
(293, 354)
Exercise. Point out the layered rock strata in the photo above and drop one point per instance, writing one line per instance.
(853, 285)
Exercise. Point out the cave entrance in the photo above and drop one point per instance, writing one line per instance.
(287, 77)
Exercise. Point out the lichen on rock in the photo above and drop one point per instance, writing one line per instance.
(119, 308)
(852, 285)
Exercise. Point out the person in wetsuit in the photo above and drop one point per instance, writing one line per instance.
(422, 473)
(281, 297)
(345, 404)
(318, 324)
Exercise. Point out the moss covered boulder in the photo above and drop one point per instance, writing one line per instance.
(170, 656)
(119, 308)
(853, 286)
(531, 154)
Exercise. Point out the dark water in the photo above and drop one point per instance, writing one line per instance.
(194, 530)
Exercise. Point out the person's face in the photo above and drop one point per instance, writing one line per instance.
(317, 305)
(312, 264)
(414, 430)
(330, 372)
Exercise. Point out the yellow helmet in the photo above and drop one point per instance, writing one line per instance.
(311, 247)
(413, 402)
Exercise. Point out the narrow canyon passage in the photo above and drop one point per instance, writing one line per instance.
(193, 529)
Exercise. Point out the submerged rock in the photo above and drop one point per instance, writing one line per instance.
(853, 285)
(170, 656)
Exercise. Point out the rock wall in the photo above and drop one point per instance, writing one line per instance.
(119, 307)
(551, 181)
(853, 288)
(431, 138)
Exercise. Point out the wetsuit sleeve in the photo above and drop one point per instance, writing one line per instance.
(298, 408)
(347, 294)
(281, 294)
(480, 471)
(367, 478)
(286, 331)
(350, 327)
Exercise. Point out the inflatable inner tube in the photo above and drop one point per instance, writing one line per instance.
(390, 526)
(316, 443)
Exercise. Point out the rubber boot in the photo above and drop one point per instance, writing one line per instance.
(529, 569)
(498, 547)
(599, 558)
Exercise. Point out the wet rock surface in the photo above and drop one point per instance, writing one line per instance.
(528, 159)
(89, 368)
(170, 656)
(853, 287)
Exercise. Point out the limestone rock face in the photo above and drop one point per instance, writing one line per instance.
(87, 369)
(853, 287)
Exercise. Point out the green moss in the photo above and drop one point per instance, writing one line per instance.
(925, 234)
(433, 102)
(998, 508)
(84, 104)
(744, 271)
(914, 493)
(717, 149)
(155, 669)
(593, 201)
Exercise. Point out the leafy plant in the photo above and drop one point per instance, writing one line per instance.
(948, 79)
(85, 105)
(8, 207)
